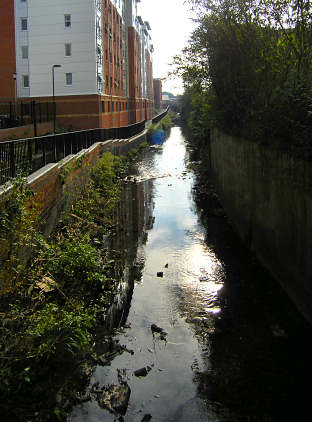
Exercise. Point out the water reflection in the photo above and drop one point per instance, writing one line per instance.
(221, 359)
(185, 295)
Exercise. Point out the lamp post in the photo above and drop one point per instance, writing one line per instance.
(15, 96)
(53, 95)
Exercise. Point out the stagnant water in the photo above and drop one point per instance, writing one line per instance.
(235, 349)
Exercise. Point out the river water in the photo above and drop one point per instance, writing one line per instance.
(234, 347)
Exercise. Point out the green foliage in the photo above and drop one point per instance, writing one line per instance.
(66, 287)
(166, 122)
(18, 224)
(66, 327)
(254, 60)
(13, 206)
(74, 264)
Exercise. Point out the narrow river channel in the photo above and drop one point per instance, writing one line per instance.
(233, 348)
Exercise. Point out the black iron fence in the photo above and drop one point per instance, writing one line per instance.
(24, 156)
(13, 114)
(160, 116)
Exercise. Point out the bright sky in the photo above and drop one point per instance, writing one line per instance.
(171, 25)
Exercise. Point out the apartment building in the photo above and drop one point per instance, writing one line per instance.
(98, 52)
(157, 83)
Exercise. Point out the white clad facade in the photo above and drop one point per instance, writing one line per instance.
(61, 32)
(146, 46)
(21, 47)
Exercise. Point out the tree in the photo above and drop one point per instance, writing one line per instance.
(255, 57)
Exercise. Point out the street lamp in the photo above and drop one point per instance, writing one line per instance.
(15, 96)
(53, 95)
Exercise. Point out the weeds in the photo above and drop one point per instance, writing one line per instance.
(65, 289)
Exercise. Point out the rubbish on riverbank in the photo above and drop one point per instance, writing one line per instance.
(160, 274)
(167, 265)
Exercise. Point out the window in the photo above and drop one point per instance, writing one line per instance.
(67, 19)
(24, 52)
(69, 78)
(103, 106)
(24, 24)
(100, 83)
(99, 55)
(25, 81)
(68, 50)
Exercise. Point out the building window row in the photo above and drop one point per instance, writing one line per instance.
(113, 106)
(68, 50)
(68, 80)
(24, 22)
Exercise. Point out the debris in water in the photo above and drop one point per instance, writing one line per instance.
(160, 331)
(156, 329)
(278, 331)
(146, 418)
(115, 398)
(142, 372)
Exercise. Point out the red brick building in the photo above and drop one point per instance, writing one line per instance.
(157, 94)
(103, 51)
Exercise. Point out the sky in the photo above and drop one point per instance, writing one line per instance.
(171, 25)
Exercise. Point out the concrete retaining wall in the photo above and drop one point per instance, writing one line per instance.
(268, 196)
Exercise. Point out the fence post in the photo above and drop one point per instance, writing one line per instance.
(55, 152)
(22, 112)
(39, 105)
(30, 154)
(44, 158)
(12, 160)
(33, 107)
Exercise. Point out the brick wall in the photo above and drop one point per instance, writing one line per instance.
(7, 49)
(23, 132)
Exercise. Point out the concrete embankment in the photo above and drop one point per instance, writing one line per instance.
(267, 194)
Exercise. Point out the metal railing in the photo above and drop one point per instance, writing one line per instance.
(13, 114)
(160, 116)
(25, 156)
